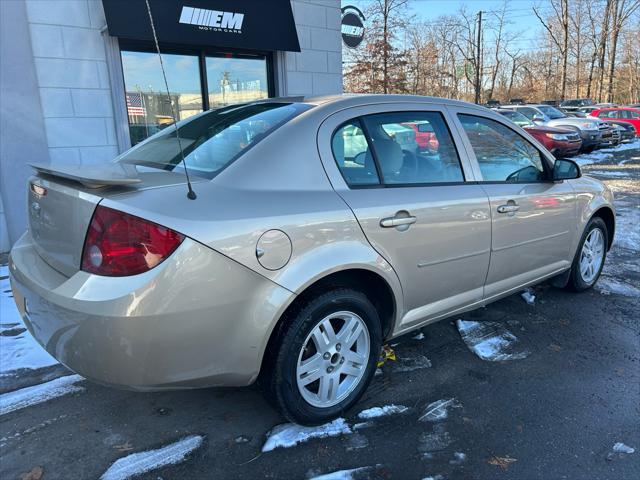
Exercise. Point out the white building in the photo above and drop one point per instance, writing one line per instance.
(80, 80)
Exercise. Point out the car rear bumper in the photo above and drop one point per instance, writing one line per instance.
(198, 319)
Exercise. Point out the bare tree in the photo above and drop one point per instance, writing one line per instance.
(561, 39)
(621, 10)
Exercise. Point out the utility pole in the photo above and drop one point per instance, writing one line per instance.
(478, 58)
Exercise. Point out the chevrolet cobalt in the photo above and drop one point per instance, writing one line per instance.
(310, 235)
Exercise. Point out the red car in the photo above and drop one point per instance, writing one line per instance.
(425, 136)
(561, 142)
(622, 114)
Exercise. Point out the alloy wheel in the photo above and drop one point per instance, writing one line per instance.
(333, 359)
(592, 255)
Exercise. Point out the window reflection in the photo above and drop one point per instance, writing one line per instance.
(149, 109)
(236, 80)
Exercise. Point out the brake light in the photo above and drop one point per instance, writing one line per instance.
(118, 244)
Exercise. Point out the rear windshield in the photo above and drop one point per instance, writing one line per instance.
(213, 139)
(551, 112)
(518, 118)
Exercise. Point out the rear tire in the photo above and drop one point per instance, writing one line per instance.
(325, 357)
(590, 257)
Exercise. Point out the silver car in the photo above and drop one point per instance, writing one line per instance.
(295, 262)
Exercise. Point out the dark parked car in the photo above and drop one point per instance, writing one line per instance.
(627, 132)
(576, 104)
(561, 142)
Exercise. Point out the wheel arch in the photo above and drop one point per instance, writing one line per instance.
(609, 219)
(362, 278)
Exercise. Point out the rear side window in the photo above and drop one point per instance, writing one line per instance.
(213, 139)
(503, 155)
(395, 149)
(352, 154)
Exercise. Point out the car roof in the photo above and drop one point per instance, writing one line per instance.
(356, 99)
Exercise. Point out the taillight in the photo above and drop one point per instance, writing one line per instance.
(119, 244)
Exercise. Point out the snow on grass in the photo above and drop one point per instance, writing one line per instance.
(609, 173)
(142, 462)
(18, 349)
(591, 158)
(490, 341)
(438, 410)
(622, 448)
(376, 412)
(350, 474)
(29, 396)
(290, 434)
(608, 285)
(528, 296)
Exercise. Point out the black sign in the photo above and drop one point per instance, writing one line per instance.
(246, 24)
(352, 26)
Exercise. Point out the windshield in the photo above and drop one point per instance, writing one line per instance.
(213, 139)
(551, 112)
(518, 118)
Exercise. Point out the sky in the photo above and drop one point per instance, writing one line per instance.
(521, 18)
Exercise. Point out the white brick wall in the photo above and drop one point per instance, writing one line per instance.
(317, 69)
(71, 69)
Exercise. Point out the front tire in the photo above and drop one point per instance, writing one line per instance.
(325, 357)
(589, 259)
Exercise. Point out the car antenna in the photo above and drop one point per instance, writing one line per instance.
(191, 195)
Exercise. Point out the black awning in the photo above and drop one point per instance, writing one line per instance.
(246, 24)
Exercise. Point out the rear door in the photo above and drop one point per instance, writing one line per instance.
(533, 218)
(419, 209)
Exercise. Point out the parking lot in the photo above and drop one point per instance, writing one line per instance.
(559, 399)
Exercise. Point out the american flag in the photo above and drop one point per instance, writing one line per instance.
(135, 106)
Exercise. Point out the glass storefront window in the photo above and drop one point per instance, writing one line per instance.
(236, 80)
(148, 108)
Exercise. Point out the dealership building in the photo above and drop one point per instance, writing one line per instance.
(81, 80)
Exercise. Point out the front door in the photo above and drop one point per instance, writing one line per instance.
(414, 206)
(532, 216)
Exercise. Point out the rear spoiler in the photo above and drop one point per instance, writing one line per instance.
(93, 176)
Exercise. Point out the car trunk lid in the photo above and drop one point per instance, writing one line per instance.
(62, 199)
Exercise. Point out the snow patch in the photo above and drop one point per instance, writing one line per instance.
(528, 296)
(412, 363)
(142, 462)
(608, 286)
(622, 448)
(19, 350)
(376, 412)
(490, 341)
(419, 336)
(350, 474)
(434, 441)
(434, 477)
(29, 396)
(290, 434)
(438, 410)
(458, 458)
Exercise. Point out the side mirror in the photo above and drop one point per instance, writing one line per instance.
(538, 118)
(565, 170)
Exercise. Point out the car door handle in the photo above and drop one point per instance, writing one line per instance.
(510, 208)
(392, 222)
